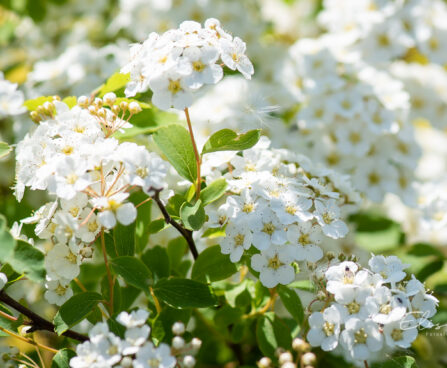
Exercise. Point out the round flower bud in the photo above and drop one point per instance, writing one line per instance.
(56, 98)
(308, 359)
(124, 105)
(3, 280)
(265, 363)
(341, 257)
(288, 365)
(196, 343)
(92, 109)
(134, 107)
(83, 101)
(321, 295)
(98, 102)
(35, 116)
(86, 252)
(115, 109)
(178, 328)
(330, 255)
(109, 98)
(102, 112)
(49, 107)
(126, 362)
(189, 361)
(299, 345)
(285, 357)
(178, 342)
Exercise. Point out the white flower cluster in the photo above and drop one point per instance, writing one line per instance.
(282, 206)
(177, 63)
(72, 155)
(361, 128)
(370, 312)
(11, 99)
(135, 350)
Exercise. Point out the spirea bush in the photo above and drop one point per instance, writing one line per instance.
(224, 184)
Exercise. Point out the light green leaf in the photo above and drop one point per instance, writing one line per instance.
(5, 149)
(70, 101)
(133, 271)
(34, 103)
(174, 141)
(213, 191)
(212, 264)
(184, 293)
(6, 240)
(398, 362)
(114, 83)
(272, 333)
(28, 260)
(292, 302)
(193, 215)
(228, 140)
(75, 309)
(305, 285)
(62, 358)
(429, 269)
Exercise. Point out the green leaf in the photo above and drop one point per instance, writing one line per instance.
(157, 225)
(214, 232)
(28, 260)
(212, 264)
(177, 248)
(5, 149)
(175, 143)
(105, 290)
(184, 293)
(398, 362)
(124, 237)
(213, 191)
(70, 101)
(429, 270)
(114, 83)
(193, 215)
(157, 260)
(228, 140)
(75, 309)
(62, 358)
(305, 285)
(174, 204)
(34, 103)
(272, 333)
(6, 240)
(142, 220)
(7, 323)
(424, 250)
(292, 302)
(133, 271)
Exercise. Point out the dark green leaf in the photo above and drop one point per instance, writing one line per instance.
(272, 333)
(212, 264)
(175, 143)
(75, 309)
(105, 290)
(174, 204)
(292, 302)
(193, 215)
(184, 293)
(133, 271)
(228, 140)
(124, 237)
(424, 250)
(142, 221)
(6, 240)
(398, 362)
(28, 260)
(62, 358)
(157, 260)
(429, 270)
(157, 225)
(213, 191)
(177, 248)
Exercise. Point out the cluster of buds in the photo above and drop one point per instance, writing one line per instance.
(45, 111)
(299, 356)
(183, 351)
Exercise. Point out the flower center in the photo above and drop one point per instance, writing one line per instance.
(304, 239)
(385, 309)
(327, 218)
(239, 239)
(248, 207)
(70, 257)
(71, 178)
(142, 172)
(397, 334)
(274, 262)
(269, 228)
(353, 307)
(74, 211)
(60, 290)
(68, 150)
(374, 178)
(174, 86)
(360, 336)
(153, 363)
(92, 226)
(328, 328)
(198, 66)
(290, 210)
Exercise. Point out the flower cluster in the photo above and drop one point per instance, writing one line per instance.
(11, 100)
(135, 349)
(372, 311)
(282, 206)
(361, 129)
(177, 63)
(72, 155)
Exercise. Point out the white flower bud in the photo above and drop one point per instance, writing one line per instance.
(285, 357)
(124, 105)
(300, 345)
(99, 102)
(288, 365)
(83, 101)
(126, 362)
(3, 280)
(134, 107)
(109, 98)
(116, 109)
(178, 342)
(189, 361)
(86, 252)
(178, 328)
(196, 344)
(308, 359)
(264, 362)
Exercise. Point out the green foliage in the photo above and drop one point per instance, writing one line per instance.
(157, 260)
(292, 302)
(184, 293)
(8, 324)
(175, 143)
(228, 140)
(62, 358)
(212, 265)
(5, 149)
(75, 309)
(272, 333)
(398, 362)
(124, 238)
(141, 223)
(34, 103)
(213, 191)
(133, 271)
(114, 83)
(193, 215)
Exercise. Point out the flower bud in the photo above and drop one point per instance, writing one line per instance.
(83, 101)
(178, 342)
(321, 295)
(56, 98)
(99, 102)
(265, 363)
(341, 257)
(308, 359)
(189, 361)
(124, 105)
(116, 109)
(299, 345)
(86, 252)
(134, 107)
(126, 362)
(109, 98)
(330, 255)
(3, 280)
(196, 344)
(288, 365)
(285, 357)
(178, 328)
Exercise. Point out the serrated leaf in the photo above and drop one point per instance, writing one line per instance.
(5, 149)
(75, 309)
(213, 265)
(193, 215)
(62, 358)
(114, 83)
(133, 271)
(228, 140)
(213, 191)
(175, 143)
(184, 293)
(292, 302)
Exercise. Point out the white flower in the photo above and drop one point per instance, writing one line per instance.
(390, 268)
(304, 238)
(274, 266)
(150, 357)
(327, 214)
(233, 55)
(238, 238)
(134, 319)
(291, 207)
(58, 290)
(3, 280)
(63, 261)
(11, 100)
(204, 69)
(401, 332)
(268, 230)
(325, 328)
(171, 90)
(113, 209)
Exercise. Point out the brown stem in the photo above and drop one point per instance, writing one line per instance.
(109, 274)
(196, 153)
(37, 322)
(366, 364)
(187, 234)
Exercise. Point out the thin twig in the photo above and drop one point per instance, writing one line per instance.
(36, 321)
(187, 234)
(29, 341)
